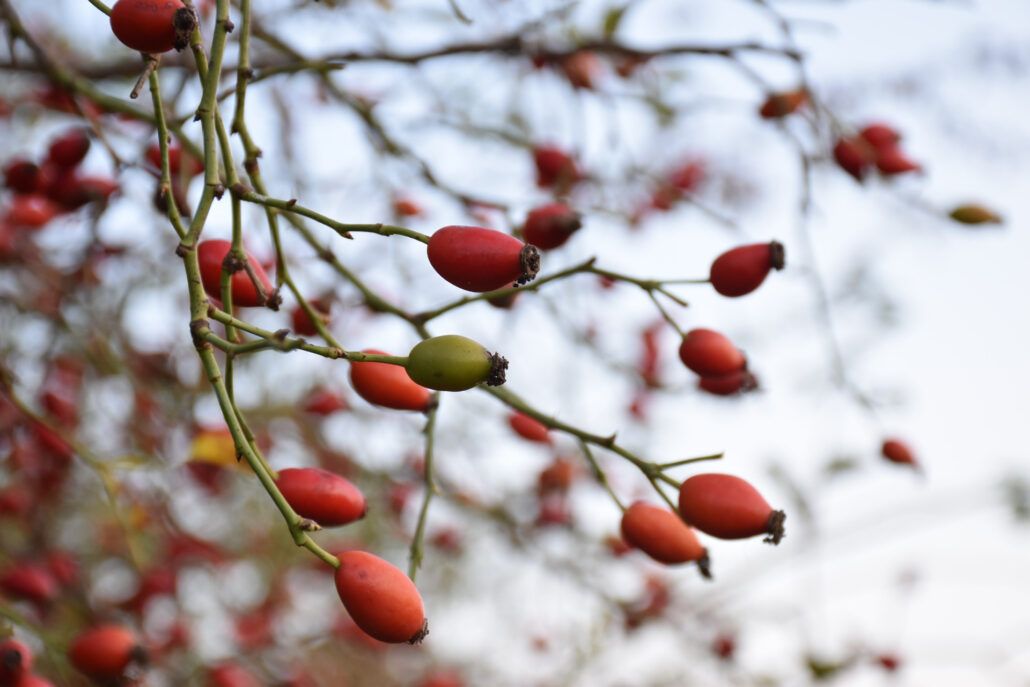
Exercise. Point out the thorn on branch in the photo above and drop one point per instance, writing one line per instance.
(219, 191)
(229, 25)
(306, 525)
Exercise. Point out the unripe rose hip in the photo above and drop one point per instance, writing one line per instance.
(727, 507)
(322, 496)
(550, 226)
(710, 354)
(211, 256)
(478, 259)
(105, 652)
(380, 598)
(454, 363)
(388, 385)
(973, 213)
(152, 26)
(741, 270)
(663, 536)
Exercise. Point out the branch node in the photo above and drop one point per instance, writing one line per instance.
(198, 328)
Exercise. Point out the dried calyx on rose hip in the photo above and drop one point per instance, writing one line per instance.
(454, 363)
(479, 259)
(741, 270)
(728, 507)
(153, 26)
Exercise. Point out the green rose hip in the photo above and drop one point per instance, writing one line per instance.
(454, 363)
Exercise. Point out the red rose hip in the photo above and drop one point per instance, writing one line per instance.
(662, 535)
(478, 259)
(734, 383)
(554, 167)
(853, 155)
(22, 176)
(15, 660)
(69, 149)
(150, 25)
(550, 226)
(319, 495)
(380, 598)
(231, 675)
(897, 451)
(529, 428)
(388, 385)
(741, 270)
(104, 652)
(710, 354)
(880, 135)
(727, 507)
(211, 254)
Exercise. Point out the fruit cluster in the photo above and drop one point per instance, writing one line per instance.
(42, 191)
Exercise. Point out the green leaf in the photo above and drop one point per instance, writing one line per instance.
(612, 19)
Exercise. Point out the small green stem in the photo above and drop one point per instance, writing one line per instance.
(599, 474)
(688, 461)
(341, 228)
(501, 293)
(416, 550)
